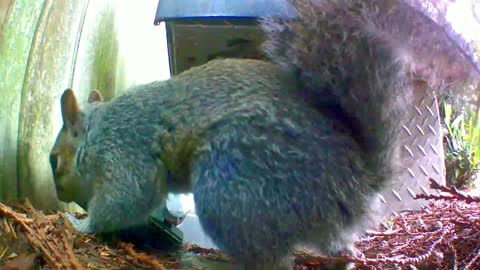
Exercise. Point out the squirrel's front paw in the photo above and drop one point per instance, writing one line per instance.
(81, 225)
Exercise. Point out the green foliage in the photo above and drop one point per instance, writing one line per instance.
(462, 144)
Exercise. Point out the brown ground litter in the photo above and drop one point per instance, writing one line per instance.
(445, 234)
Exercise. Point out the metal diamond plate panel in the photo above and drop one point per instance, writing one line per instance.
(422, 152)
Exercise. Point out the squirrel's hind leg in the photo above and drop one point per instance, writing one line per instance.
(265, 184)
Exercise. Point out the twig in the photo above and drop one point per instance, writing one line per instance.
(142, 258)
(3, 253)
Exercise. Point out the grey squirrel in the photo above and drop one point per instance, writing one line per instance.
(278, 153)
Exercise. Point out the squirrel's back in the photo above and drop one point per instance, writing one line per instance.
(197, 98)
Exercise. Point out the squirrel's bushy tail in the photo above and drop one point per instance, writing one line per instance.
(362, 60)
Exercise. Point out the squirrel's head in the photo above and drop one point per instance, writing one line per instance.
(64, 152)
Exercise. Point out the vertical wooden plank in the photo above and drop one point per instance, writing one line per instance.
(48, 73)
(18, 27)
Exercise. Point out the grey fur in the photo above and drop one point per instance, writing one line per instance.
(290, 153)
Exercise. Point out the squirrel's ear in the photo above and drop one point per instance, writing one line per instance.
(95, 96)
(70, 108)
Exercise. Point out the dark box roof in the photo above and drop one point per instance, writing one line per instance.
(183, 9)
